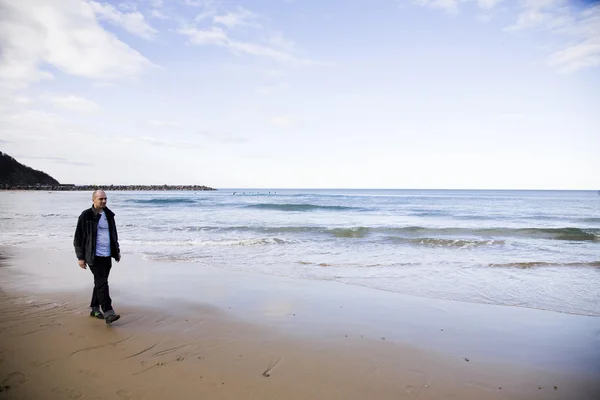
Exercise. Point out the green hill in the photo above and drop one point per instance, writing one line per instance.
(13, 172)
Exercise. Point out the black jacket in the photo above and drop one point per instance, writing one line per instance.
(86, 231)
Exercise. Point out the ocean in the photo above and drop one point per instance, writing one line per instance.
(535, 249)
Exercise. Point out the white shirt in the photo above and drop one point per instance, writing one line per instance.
(103, 237)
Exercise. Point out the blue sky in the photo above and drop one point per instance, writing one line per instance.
(296, 93)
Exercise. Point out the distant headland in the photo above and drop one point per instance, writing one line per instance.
(16, 176)
(66, 188)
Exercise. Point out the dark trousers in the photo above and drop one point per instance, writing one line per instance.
(100, 295)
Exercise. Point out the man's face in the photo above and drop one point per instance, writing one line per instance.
(99, 199)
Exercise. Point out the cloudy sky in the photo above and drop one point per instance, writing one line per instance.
(304, 93)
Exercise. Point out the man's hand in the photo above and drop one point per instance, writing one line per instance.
(82, 264)
(119, 257)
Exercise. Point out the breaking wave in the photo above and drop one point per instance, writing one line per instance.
(299, 207)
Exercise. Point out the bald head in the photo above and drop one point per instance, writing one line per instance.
(99, 199)
(98, 192)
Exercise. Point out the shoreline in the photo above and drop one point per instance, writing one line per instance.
(323, 340)
(333, 309)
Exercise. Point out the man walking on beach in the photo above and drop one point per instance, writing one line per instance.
(95, 242)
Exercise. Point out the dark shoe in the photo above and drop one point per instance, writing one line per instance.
(96, 314)
(112, 318)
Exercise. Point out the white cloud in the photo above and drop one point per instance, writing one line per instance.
(574, 28)
(450, 6)
(528, 19)
(484, 17)
(37, 34)
(242, 17)
(173, 127)
(23, 100)
(73, 103)
(218, 37)
(186, 145)
(270, 89)
(204, 15)
(198, 3)
(275, 47)
(128, 6)
(31, 126)
(164, 124)
(273, 73)
(488, 4)
(59, 160)
(585, 54)
(133, 22)
(212, 36)
(542, 3)
(278, 40)
(35, 134)
(579, 27)
(284, 121)
(159, 15)
(539, 18)
(269, 52)
(209, 8)
(222, 137)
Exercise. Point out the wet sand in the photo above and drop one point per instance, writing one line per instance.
(212, 334)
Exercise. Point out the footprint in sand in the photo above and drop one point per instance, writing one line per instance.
(15, 379)
(373, 368)
(94, 374)
(485, 386)
(45, 364)
(69, 393)
(167, 351)
(124, 394)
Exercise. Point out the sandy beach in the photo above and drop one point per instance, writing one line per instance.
(256, 337)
